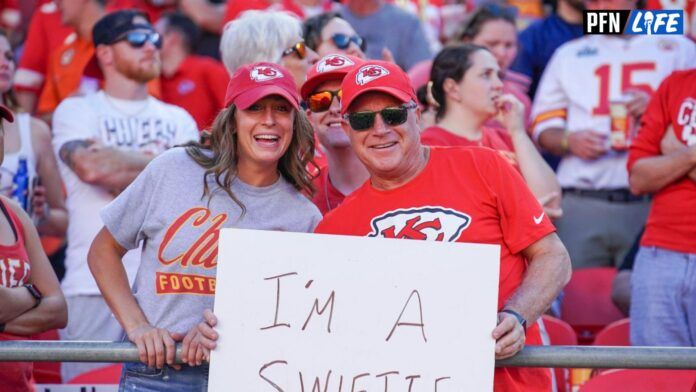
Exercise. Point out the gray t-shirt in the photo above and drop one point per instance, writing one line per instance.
(164, 208)
(394, 28)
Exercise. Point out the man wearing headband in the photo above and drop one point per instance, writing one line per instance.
(322, 93)
(449, 194)
(103, 141)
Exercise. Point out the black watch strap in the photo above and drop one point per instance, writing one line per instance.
(520, 319)
(34, 293)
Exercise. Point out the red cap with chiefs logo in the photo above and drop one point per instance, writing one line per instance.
(376, 76)
(255, 81)
(330, 67)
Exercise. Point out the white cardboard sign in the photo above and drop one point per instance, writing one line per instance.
(307, 312)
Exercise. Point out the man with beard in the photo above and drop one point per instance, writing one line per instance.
(104, 140)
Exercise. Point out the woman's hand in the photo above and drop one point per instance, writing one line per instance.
(155, 345)
(200, 340)
(511, 113)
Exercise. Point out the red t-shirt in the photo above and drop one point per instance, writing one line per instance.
(466, 195)
(326, 196)
(46, 34)
(235, 7)
(14, 272)
(199, 86)
(153, 11)
(672, 220)
(494, 138)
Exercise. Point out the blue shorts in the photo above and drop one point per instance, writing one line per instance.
(136, 376)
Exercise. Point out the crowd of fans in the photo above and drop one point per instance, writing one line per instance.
(133, 130)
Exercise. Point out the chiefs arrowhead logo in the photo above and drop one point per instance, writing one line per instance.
(369, 73)
(425, 223)
(264, 73)
(333, 62)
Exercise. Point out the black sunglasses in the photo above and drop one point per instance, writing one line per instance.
(362, 121)
(300, 48)
(138, 39)
(342, 41)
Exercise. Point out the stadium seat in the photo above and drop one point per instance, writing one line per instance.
(614, 334)
(587, 304)
(642, 380)
(560, 334)
(110, 374)
(47, 372)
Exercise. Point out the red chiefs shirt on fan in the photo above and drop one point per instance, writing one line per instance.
(672, 219)
(463, 195)
(153, 11)
(46, 33)
(494, 138)
(199, 86)
(326, 196)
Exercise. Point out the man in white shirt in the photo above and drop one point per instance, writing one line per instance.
(104, 140)
(571, 119)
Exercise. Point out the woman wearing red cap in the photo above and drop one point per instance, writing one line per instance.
(30, 296)
(251, 176)
(466, 86)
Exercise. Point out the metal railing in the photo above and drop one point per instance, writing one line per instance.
(532, 356)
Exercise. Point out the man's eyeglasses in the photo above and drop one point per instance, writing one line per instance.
(361, 121)
(342, 41)
(298, 48)
(138, 39)
(321, 100)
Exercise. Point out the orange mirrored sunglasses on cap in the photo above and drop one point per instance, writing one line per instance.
(321, 100)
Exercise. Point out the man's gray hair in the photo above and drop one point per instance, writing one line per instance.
(258, 36)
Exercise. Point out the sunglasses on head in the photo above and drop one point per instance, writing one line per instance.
(361, 121)
(299, 48)
(138, 39)
(321, 100)
(342, 41)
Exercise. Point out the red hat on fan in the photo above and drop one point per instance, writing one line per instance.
(330, 67)
(379, 76)
(252, 82)
(6, 113)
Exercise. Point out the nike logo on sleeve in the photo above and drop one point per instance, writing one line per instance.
(537, 219)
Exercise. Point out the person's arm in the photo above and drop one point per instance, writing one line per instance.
(649, 175)
(48, 201)
(52, 311)
(155, 345)
(548, 272)
(586, 144)
(208, 16)
(540, 178)
(108, 167)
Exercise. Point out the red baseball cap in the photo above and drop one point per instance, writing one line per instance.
(6, 113)
(330, 67)
(252, 82)
(376, 75)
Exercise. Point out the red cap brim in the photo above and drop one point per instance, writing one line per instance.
(249, 97)
(6, 113)
(311, 84)
(401, 95)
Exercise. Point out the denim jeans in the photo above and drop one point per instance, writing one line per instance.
(663, 298)
(136, 376)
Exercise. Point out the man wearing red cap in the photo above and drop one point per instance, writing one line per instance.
(104, 140)
(322, 93)
(450, 194)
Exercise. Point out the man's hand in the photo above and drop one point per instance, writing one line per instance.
(509, 336)
(200, 340)
(637, 103)
(588, 145)
(155, 345)
(670, 143)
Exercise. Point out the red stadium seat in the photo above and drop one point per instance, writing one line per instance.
(615, 334)
(110, 374)
(587, 304)
(47, 372)
(560, 334)
(642, 380)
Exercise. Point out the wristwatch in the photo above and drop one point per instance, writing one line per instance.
(34, 291)
(518, 316)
